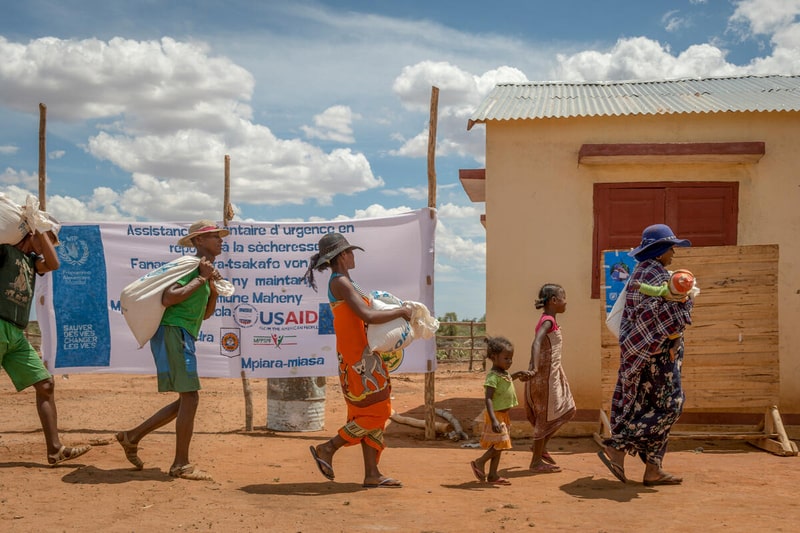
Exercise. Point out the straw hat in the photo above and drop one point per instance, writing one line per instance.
(199, 228)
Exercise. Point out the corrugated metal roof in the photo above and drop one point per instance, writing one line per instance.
(711, 95)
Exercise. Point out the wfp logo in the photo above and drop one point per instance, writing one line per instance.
(245, 315)
(73, 251)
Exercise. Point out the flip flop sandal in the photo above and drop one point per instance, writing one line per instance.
(477, 472)
(190, 472)
(614, 468)
(547, 458)
(668, 479)
(131, 450)
(545, 468)
(324, 468)
(499, 481)
(67, 454)
(388, 483)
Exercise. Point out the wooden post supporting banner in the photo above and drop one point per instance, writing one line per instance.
(42, 157)
(227, 215)
(430, 412)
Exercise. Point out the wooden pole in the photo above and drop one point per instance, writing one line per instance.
(42, 157)
(430, 411)
(227, 216)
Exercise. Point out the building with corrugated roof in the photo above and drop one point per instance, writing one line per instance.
(573, 169)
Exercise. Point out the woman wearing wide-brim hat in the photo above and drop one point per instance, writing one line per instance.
(362, 374)
(648, 397)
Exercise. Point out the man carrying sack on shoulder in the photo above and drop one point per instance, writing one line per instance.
(188, 301)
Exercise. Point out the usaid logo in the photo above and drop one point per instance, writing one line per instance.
(245, 315)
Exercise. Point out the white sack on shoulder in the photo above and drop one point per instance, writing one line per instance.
(16, 221)
(37, 219)
(141, 300)
(13, 226)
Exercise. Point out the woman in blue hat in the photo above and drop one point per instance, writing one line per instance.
(648, 397)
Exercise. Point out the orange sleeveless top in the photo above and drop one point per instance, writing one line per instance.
(362, 374)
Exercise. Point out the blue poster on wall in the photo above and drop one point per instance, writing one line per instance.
(618, 266)
(84, 336)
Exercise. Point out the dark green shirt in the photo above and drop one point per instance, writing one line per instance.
(17, 282)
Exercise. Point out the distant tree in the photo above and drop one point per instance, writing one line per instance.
(445, 328)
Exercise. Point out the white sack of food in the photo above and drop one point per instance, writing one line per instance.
(614, 317)
(16, 221)
(423, 324)
(140, 301)
(37, 219)
(13, 226)
(385, 297)
(389, 336)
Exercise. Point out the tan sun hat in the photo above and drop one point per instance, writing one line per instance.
(199, 228)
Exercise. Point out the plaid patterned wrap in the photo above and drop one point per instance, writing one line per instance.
(648, 397)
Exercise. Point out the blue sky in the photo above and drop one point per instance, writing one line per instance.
(323, 105)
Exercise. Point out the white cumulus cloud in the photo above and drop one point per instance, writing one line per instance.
(333, 124)
(168, 112)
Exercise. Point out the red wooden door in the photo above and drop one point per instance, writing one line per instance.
(704, 212)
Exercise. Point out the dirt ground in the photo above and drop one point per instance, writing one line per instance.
(267, 481)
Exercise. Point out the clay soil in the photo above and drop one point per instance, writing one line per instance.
(266, 481)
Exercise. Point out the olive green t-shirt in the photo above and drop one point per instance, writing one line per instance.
(505, 397)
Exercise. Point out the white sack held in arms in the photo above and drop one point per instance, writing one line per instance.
(17, 221)
(399, 333)
(141, 300)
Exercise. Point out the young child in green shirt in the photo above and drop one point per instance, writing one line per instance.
(500, 396)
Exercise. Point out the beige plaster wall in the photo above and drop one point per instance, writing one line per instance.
(540, 222)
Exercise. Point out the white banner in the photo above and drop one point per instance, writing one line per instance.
(273, 326)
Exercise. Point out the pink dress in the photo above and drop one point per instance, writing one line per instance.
(548, 400)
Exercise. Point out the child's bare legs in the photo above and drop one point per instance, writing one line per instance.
(492, 456)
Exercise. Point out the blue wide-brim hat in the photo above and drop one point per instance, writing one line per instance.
(657, 237)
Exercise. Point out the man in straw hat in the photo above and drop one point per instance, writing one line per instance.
(648, 397)
(188, 302)
(19, 264)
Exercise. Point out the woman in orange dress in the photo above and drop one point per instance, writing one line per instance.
(362, 373)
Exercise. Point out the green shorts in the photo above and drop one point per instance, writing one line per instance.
(176, 363)
(19, 359)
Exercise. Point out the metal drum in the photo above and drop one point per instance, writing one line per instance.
(296, 404)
